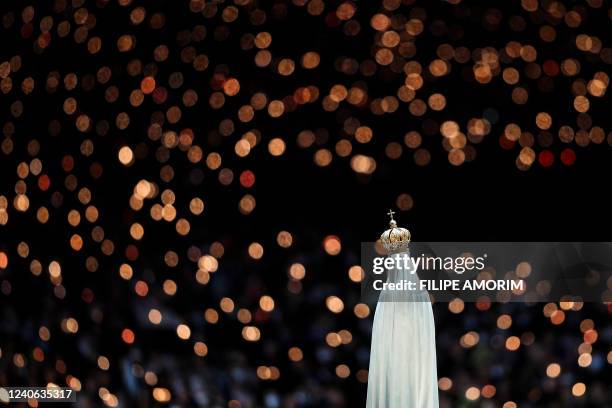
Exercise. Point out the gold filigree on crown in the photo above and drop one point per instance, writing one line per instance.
(395, 238)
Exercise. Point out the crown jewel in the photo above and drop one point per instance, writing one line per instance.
(395, 238)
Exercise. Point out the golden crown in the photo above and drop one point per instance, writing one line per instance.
(395, 238)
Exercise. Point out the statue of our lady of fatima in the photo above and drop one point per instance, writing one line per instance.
(402, 371)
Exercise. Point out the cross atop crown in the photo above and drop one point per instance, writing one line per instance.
(392, 222)
(391, 213)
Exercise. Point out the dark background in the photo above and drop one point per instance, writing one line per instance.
(486, 199)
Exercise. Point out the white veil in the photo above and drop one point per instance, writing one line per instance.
(402, 371)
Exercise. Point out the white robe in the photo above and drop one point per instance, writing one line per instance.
(403, 370)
